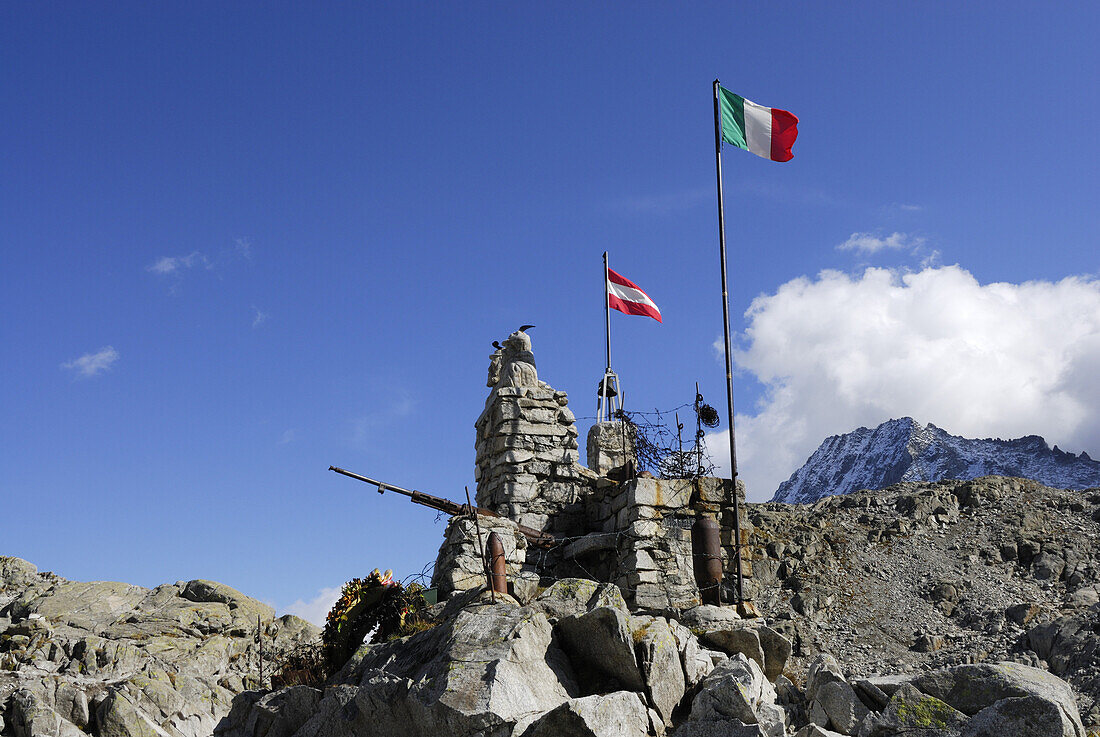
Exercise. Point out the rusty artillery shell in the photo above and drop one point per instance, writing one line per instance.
(494, 551)
(706, 555)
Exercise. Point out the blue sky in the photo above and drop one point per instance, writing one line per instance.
(243, 243)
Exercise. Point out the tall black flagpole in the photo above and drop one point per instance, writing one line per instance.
(726, 330)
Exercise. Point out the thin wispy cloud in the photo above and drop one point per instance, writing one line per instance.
(872, 243)
(166, 265)
(259, 317)
(786, 193)
(287, 437)
(902, 207)
(177, 266)
(93, 364)
(364, 429)
(931, 260)
(666, 203)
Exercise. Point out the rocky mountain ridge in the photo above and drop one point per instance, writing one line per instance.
(904, 450)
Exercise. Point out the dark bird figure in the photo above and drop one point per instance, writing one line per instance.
(525, 328)
(496, 344)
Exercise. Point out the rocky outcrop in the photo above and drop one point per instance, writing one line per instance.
(574, 662)
(111, 659)
(956, 608)
(904, 450)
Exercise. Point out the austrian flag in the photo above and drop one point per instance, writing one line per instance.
(765, 131)
(625, 296)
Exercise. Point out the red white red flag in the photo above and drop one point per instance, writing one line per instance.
(625, 296)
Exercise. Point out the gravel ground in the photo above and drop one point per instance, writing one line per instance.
(923, 576)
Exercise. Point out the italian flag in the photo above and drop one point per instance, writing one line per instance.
(625, 296)
(765, 131)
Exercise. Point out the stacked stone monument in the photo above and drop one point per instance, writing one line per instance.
(528, 467)
(608, 525)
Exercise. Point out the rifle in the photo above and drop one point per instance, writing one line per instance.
(535, 537)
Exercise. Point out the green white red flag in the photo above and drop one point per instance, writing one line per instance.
(765, 131)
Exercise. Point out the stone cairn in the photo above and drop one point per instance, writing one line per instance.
(528, 467)
(634, 532)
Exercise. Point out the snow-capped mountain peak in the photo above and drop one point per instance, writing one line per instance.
(905, 450)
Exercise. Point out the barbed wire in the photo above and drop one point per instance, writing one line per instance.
(658, 439)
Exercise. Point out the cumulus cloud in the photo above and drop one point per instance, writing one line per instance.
(870, 243)
(980, 360)
(316, 608)
(175, 264)
(93, 364)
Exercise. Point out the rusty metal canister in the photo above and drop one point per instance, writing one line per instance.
(706, 557)
(494, 551)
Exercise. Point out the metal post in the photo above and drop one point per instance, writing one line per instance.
(698, 434)
(726, 331)
(607, 312)
(481, 548)
(603, 406)
(260, 646)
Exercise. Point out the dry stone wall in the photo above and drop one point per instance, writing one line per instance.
(643, 538)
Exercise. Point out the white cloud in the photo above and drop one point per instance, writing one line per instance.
(174, 264)
(870, 243)
(259, 317)
(316, 608)
(288, 436)
(93, 364)
(992, 360)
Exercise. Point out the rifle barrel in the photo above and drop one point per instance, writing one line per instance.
(382, 486)
(538, 537)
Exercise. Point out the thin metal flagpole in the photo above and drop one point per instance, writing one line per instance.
(607, 310)
(604, 403)
(726, 331)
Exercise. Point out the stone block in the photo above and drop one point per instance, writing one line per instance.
(639, 560)
(608, 446)
(737, 640)
(644, 491)
(524, 427)
(651, 596)
(592, 543)
(635, 578)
